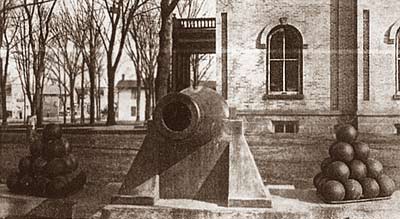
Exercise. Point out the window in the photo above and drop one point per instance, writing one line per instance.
(133, 110)
(284, 61)
(133, 93)
(8, 90)
(286, 126)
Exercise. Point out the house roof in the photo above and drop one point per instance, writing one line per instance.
(126, 84)
(52, 89)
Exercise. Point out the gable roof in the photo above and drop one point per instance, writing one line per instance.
(126, 84)
(52, 89)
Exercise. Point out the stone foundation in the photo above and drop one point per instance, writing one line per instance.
(383, 125)
(287, 204)
(21, 206)
(308, 123)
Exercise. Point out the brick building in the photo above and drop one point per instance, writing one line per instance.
(304, 66)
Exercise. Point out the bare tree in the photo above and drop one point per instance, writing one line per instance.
(134, 54)
(84, 33)
(191, 9)
(142, 49)
(7, 34)
(54, 65)
(165, 48)
(67, 55)
(7, 7)
(99, 91)
(120, 14)
(34, 21)
(89, 41)
(200, 66)
(22, 57)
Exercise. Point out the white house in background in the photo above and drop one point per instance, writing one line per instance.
(51, 100)
(18, 106)
(126, 97)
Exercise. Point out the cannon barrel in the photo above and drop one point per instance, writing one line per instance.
(194, 114)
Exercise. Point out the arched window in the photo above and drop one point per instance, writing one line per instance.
(284, 60)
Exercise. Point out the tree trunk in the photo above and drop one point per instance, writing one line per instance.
(40, 109)
(138, 94)
(164, 57)
(82, 95)
(148, 104)
(37, 104)
(195, 68)
(3, 103)
(97, 104)
(33, 107)
(62, 96)
(72, 100)
(152, 96)
(110, 97)
(98, 98)
(39, 75)
(92, 78)
(3, 100)
(64, 100)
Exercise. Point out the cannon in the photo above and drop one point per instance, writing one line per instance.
(193, 150)
(193, 116)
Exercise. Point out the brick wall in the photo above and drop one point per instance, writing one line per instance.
(247, 64)
(380, 112)
(329, 59)
(341, 79)
(261, 124)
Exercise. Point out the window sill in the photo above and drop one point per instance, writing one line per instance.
(396, 97)
(284, 97)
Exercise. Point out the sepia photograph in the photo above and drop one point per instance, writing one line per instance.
(199, 109)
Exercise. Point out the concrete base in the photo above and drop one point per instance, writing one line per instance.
(288, 203)
(182, 209)
(21, 206)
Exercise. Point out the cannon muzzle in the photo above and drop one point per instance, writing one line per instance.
(193, 113)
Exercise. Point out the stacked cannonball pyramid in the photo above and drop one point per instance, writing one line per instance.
(50, 170)
(350, 173)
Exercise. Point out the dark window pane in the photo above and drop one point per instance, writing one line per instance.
(279, 128)
(291, 127)
(398, 49)
(398, 45)
(292, 76)
(276, 45)
(133, 111)
(276, 83)
(292, 44)
(398, 73)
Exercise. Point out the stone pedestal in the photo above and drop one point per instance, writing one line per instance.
(287, 204)
(221, 171)
(21, 206)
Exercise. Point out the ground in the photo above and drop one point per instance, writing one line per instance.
(106, 154)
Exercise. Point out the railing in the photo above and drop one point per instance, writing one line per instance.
(195, 23)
